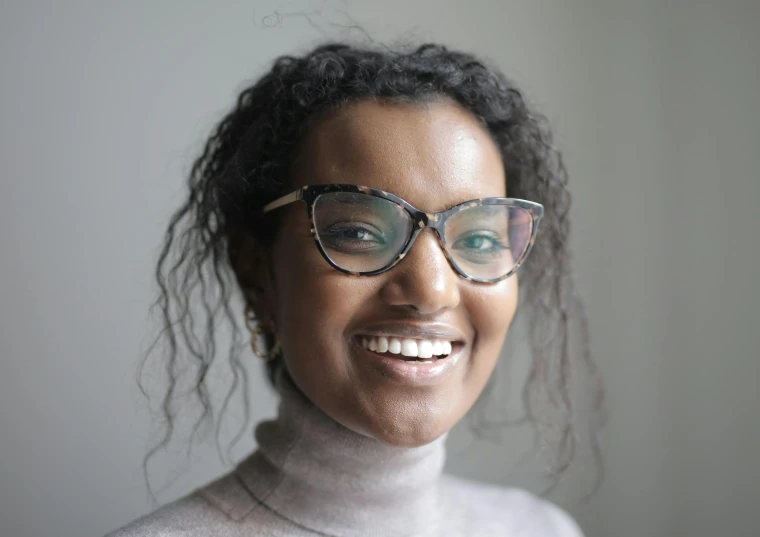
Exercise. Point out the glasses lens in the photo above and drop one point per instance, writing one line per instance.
(358, 232)
(486, 242)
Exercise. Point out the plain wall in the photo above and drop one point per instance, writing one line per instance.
(103, 106)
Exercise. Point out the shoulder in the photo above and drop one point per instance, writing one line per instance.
(515, 510)
(214, 510)
(186, 517)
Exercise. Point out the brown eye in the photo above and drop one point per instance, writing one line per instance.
(358, 232)
(352, 236)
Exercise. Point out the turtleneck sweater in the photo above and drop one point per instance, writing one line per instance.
(312, 476)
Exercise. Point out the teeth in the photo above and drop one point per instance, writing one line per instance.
(411, 348)
(425, 349)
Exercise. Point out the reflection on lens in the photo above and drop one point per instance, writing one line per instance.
(487, 241)
(360, 233)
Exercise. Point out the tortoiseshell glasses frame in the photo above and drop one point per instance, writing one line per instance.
(420, 220)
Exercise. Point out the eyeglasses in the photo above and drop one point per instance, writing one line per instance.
(364, 231)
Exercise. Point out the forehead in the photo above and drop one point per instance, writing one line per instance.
(434, 155)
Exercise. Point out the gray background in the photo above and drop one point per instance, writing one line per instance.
(103, 105)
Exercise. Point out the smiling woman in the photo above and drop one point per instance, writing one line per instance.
(373, 210)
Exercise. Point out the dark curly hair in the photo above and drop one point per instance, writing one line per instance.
(246, 163)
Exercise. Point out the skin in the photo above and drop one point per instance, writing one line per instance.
(433, 155)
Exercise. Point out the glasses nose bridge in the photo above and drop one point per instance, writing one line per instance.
(423, 220)
(434, 221)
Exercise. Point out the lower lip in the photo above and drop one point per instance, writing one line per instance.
(412, 373)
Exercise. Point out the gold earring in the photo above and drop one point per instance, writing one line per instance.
(257, 331)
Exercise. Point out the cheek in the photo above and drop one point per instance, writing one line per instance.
(313, 305)
(492, 309)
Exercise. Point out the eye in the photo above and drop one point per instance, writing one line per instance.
(353, 233)
(478, 242)
(480, 246)
(352, 236)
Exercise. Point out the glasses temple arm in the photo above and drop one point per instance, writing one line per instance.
(288, 198)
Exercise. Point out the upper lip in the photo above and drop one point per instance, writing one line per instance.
(413, 330)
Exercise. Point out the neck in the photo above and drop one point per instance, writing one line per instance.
(325, 477)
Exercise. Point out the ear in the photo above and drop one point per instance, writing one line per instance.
(250, 261)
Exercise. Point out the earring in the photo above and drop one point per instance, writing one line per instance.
(256, 332)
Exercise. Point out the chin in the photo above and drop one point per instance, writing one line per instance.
(408, 434)
(413, 442)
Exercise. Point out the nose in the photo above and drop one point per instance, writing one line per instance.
(423, 280)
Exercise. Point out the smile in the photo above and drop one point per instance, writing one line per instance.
(422, 349)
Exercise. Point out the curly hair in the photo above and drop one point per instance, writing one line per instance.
(246, 163)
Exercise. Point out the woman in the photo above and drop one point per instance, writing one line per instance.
(360, 198)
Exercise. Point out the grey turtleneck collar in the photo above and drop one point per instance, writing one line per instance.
(312, 476)
(322, 476)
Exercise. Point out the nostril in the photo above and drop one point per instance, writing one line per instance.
(424, 280)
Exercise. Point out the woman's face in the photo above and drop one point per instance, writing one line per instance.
(434, 156)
